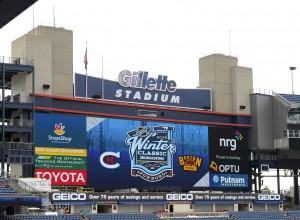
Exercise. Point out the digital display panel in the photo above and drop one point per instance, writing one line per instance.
(147, 155)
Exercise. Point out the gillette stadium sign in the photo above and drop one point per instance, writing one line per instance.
(140, 87)
(141, 80)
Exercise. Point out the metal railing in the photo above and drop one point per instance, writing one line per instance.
(28, 191)
(289, 133)
(17, 146)
(16, 60)
(17, 99)
(167, 215)
(262, 91)
(17, 122)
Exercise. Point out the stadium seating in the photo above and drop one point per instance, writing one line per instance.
(41, 217)
(261, 215)
(146, 217)
(7, 191)
(258, 215)
(129, 216)
(294, 214)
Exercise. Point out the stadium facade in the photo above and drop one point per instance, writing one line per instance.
(141, 132)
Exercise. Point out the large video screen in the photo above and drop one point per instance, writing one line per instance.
(147, 155)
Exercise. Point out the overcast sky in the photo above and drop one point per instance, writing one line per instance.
(168, 37)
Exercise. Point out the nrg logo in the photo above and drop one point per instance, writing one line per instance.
(226, 142)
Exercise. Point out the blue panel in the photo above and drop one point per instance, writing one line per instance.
(267, 202)
(214, 202)
(73, 203)
(154, 155)
(57, 130)
(167, 154)
(188, 98)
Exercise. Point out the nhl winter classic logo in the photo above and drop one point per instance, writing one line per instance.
(151, 152)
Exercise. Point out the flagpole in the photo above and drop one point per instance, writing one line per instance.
(85, 60)
(102, 81)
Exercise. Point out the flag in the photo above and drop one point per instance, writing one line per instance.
(85, 61)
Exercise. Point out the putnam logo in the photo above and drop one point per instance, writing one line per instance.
(229, 180)
(190, 163)
(59, 129)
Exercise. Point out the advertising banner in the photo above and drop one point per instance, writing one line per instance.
(228, 154)
(60, 149)
(146, 155)
(63, 177)
(60, 162)
(164, 197)
(156, 155)
(62, 131)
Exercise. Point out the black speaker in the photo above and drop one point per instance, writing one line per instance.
(46, 86)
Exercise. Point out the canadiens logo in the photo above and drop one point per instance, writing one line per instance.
(151, 152)
(190, 163)
(108, 160)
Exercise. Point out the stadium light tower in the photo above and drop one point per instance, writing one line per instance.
(292, 68)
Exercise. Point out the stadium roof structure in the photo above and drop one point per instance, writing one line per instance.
(9, 9)
(293, 100)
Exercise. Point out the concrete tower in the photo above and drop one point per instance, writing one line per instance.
(51, 49)
(230, 83)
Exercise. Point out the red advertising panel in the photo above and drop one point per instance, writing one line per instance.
(63, 177)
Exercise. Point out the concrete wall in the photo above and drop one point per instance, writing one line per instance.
(37, 48)
(182, 208)
(16, 170)
(52, 51)
(203, 208)
(242, 83)
(128, 208)
(280, 114)
(230, 83)
(262, 134)
(152, 208)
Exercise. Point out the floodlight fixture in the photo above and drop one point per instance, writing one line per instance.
(292, 68)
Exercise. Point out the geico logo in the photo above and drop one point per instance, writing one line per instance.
(229, 168)
(64, 177)
(228, 143)
(268, 197)
(108, 160)
(179, 196)
(69, 196)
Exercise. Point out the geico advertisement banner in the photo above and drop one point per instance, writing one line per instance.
(63, 177)
(168, 197)
(144, 88)
(63, 131)
(157, 155)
